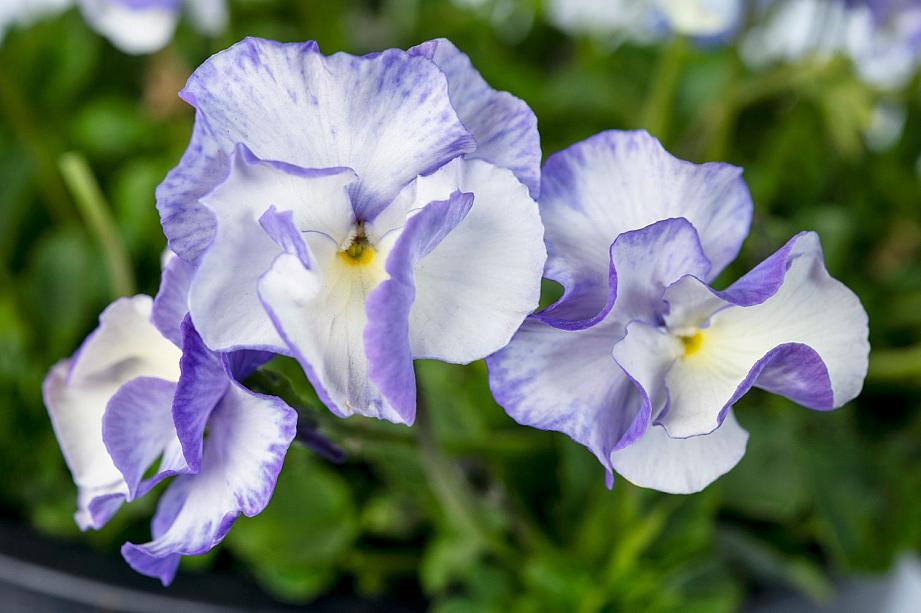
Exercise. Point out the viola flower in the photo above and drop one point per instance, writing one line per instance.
(881, 37)
(142, 387)
(640, 361)
(647, 21)
(146, 26)
(356, 213)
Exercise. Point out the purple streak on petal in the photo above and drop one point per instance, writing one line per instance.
(652, 258)
(201, 385)
(390, 360)
(171, 303)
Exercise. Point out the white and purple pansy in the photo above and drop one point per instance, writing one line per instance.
(143, 387)
(356, 213)
(145, 26)
(881, 37)
(640, 360)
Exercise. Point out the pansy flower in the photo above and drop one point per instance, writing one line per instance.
(145, 26)
(881, 37)
(640, 360)
(143, 387)
(356, 213)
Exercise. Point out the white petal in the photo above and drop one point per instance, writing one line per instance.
(133, 30)
(810, 337)
(681, 466)
(124, 346)
(474, 290)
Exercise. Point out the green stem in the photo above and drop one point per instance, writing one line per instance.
(93, 207)
(27, 131)
(657, 109)
(895, 365)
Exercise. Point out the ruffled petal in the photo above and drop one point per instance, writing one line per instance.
(681, 466)
(224, 299)
(504, 126)
(643, 263)
(614, 182)
(387, 338)
(566, 381)
(807, 340)
(188, 224)
(171, 303)
(133, 27)
(387, 116)
(124, 346)
(474, 290)
(248, 436)
(137, 428)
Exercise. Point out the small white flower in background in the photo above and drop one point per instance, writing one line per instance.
(882, 39)
(645, 21)
(134, 26)
(145, 26)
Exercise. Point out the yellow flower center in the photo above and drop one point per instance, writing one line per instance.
(359, 252)
(692, 342)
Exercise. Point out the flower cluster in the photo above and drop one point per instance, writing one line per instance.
(358, 213)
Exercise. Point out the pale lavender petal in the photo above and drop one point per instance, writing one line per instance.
(388, 116)
(390, 357)
(188, 224)
(504, 126)
(566, 381)
(615, 182)
(643, 264)
(137, 428)
(171, 303)
(248, 436)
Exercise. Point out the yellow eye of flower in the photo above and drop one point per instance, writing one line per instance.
(359, 252)
(692, 343)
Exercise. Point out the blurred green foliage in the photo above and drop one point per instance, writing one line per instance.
(468, 509)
